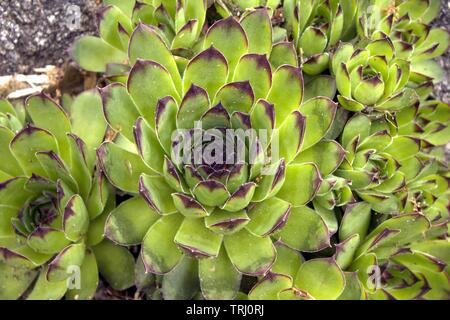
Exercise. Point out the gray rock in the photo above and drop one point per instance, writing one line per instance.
(35, 33)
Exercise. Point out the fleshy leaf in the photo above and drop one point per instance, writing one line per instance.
(29, 141)
(47, 240)
(120, 111)
(270, 287)
(283, 53)
(258, 28)
(130, 221)
(182, 282)
(60, 267)
(319, 113)
(93, 53)
(121, 166)
(305, 230)
(236, 44)
(322, 278)
(157, 193)
(211, 193)
(345, 251)
(286, 79)
(159, 251)
(148, 82)
(255, 69)
(146, 44)
(310, 177)
(208, 70)
(148, 145)
(46, 290)
(240, 198)
(88, 280)
(224, 222)
(236, 96)
(219, 280)
(116, 264)
(250, 254)
(88, 122)
(197, 240)
(268, 216)
(48, 115)
(327, 155)
(290, 136)
(194, 104)
(76, 218)
(356, 220)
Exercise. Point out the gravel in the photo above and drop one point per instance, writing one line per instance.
(36, 33)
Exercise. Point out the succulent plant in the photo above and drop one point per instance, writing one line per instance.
(316, 26)
(54, 203)
(372, 77)
(400, 259)
(393, 244)
(221, 210)
(407, 23)
(213, 160)
(178, 23)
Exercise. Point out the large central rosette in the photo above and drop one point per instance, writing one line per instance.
(212, 158)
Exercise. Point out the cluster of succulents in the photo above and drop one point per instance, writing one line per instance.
(238, 150)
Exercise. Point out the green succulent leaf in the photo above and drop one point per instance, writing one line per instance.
(256, 69)
(116, 264)
(159, 252)
(93, 54)
(208, 70)
(75, 219)
(225, 222)
(122, 167)
(356, 220)
(319, 113)
(182, 282)
(258, 28)
(311, 180)
(236, 44)
(286, 78)
(322, 278)
(327, 155)
(305, 230)
(235, 97)
(129, 222)
(88, 279)
(149, 82)
(219, 280)
(196, 239)
(60, 267)
(14, 281)
(250, 254)
(46, 290)
(146, 44)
